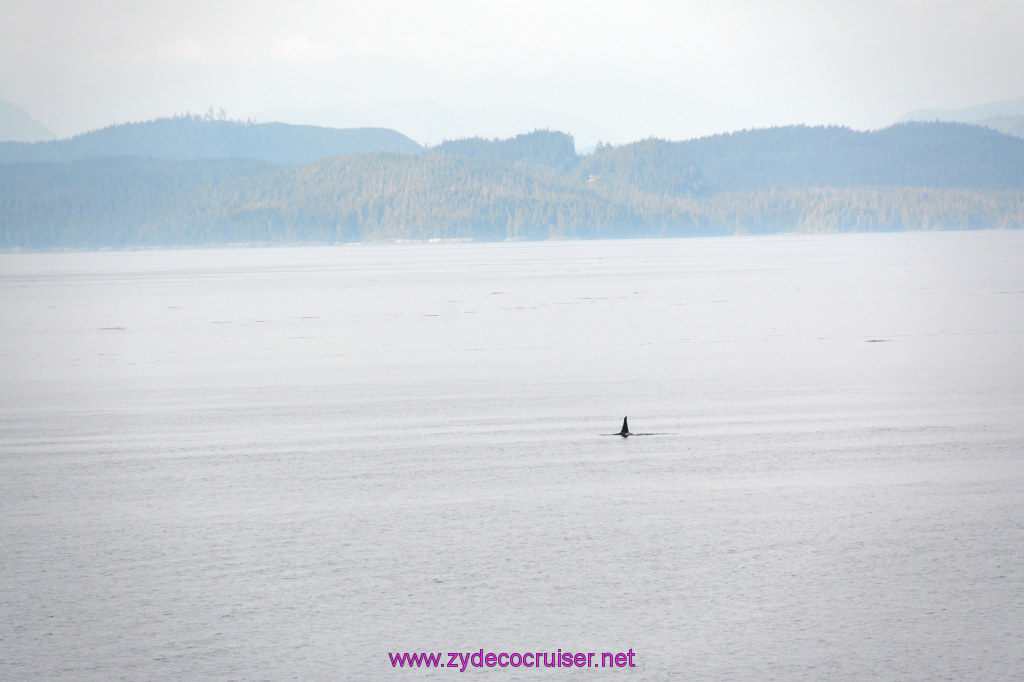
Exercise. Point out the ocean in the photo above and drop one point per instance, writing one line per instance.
(297, 463)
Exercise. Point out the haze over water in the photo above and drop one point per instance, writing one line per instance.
(287, 463)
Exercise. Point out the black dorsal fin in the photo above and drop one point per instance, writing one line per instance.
(625, 427)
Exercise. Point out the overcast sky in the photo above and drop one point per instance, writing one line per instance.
(616, 70)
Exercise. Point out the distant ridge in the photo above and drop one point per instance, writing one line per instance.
(975, 114)
(546, 148)
(247, 184)
(951, 155)
(194, 137)
(17, 125)
(1006, 116)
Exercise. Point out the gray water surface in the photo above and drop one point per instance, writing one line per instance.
(287, 463)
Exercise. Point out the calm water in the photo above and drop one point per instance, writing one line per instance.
(286, 463)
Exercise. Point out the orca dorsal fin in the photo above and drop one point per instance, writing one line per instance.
(625, 427)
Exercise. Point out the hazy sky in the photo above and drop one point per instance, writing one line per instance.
(616, 70)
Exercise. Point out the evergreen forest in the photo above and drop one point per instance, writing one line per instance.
(192, 181)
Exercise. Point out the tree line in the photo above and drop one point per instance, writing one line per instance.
(533, 186)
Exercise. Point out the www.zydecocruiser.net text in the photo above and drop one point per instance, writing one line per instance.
(462, 660)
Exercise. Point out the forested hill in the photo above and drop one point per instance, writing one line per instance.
(553, 150)
(194, 137)
(952, 155)
(532, 186)
(947, 155)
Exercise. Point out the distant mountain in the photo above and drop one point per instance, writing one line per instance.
(975, 114)
(949, 155)
(534, 186)
(546, 148)
(1006, 117)
(431, 123)
(1011, 125)
(656, 167)
(17, 125)
(193, 137)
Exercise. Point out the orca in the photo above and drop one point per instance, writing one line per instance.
(626, 433)
(625, 428)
